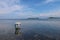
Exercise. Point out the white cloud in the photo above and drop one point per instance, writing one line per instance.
(10, 9)
(7, 6)
(45, 2)
(27, 14)
(51, 14)
(48, 1)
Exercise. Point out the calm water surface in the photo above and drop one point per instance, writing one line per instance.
(30, 30)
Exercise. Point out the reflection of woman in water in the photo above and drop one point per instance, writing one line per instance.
(17, 29)
(18, 32)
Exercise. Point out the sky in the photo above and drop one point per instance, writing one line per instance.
(18, 9)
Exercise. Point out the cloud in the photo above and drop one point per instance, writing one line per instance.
(51, 14)
(10, 9)
(7, 6)
(27, 14)
(13, 9)
(48, 1)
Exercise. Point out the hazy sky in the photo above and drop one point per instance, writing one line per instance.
(29, 8)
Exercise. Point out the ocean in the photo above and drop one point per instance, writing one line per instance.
(30, 30)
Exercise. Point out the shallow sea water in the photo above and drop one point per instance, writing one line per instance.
(30, 30)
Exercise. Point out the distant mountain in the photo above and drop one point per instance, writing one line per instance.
(37, 18)
(33, 18)
(54, 17)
